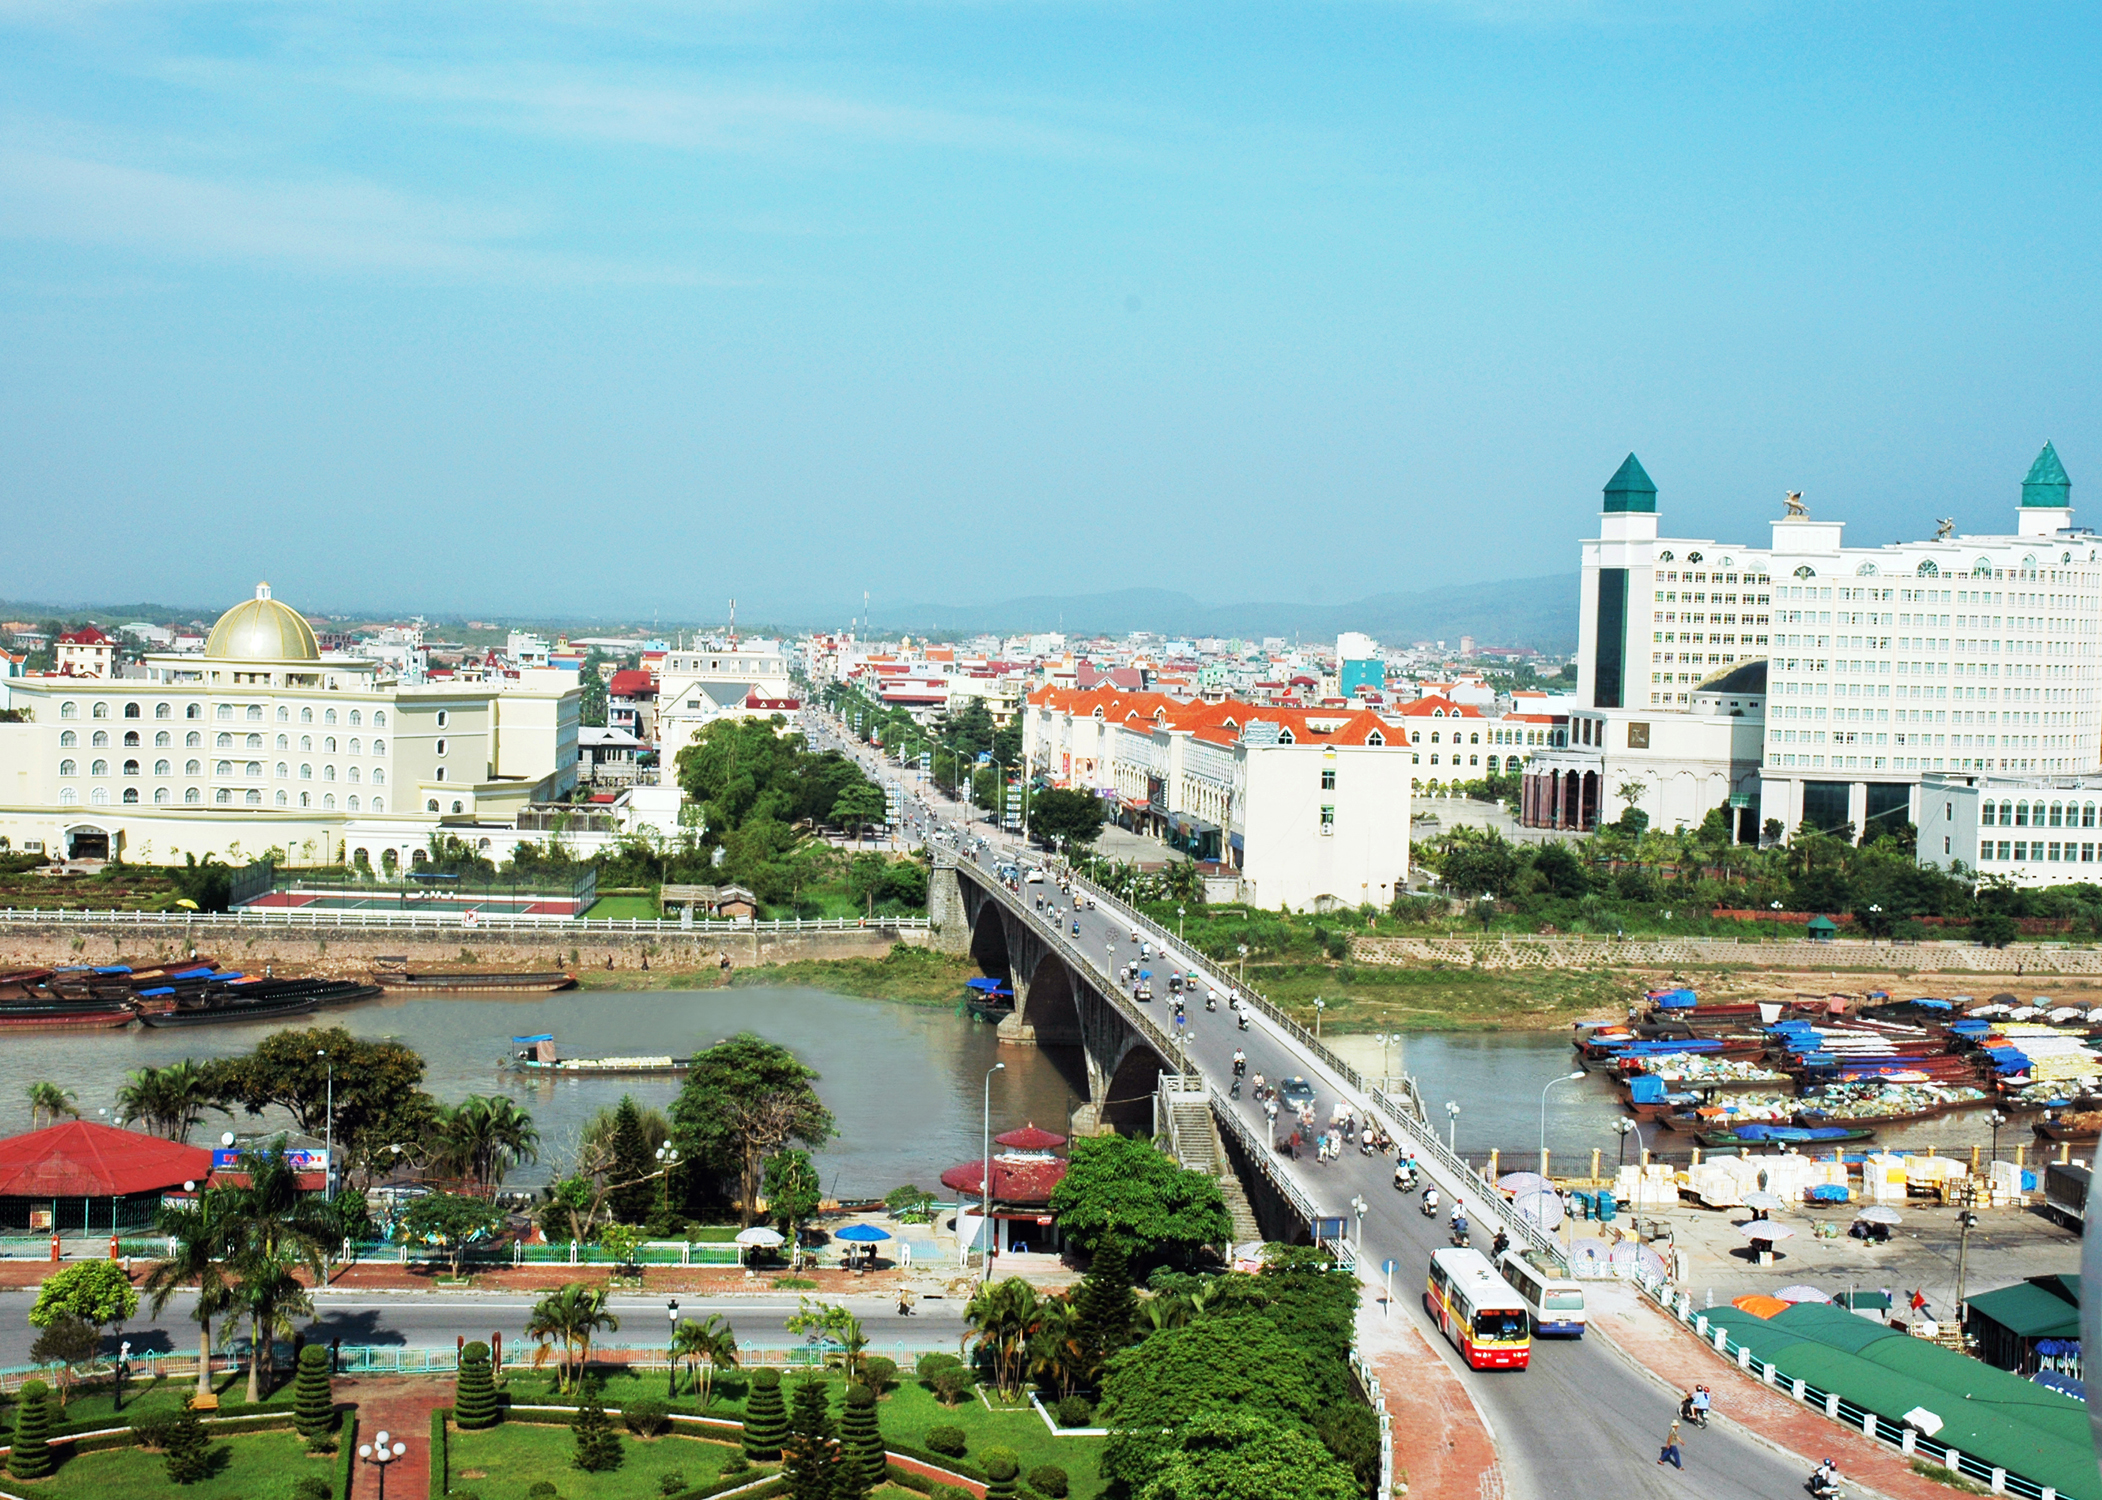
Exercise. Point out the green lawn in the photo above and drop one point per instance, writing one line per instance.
(93, 1404)
(505, 1461)
(259, 1466)
(620, 908)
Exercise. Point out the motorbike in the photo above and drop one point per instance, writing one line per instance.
(1430, 1204)
(1824, 1485)
(1404, 1180)
(1235, 1091)
(1688, 1412)
(1211, 1002)
(1240, 1019)
(1459, 1233)
(1076, 929)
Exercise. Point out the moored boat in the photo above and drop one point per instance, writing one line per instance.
(435, 982)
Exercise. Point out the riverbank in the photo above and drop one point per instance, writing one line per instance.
(906, 974)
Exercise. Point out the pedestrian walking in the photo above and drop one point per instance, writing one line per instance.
(1670, 1455)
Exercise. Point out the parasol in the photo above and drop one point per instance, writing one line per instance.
(1764, 1202)
(1523, 1182)
(1876, 1213)
(862, 1234)
(759, 1235)
(1801, 1294)
(1765, 1229)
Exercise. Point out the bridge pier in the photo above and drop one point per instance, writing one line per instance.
(946, 914)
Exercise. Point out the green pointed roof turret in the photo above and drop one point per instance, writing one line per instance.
(1630, 489)
(2046, 483)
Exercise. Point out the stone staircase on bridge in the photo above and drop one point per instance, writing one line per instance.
(1193, 1134)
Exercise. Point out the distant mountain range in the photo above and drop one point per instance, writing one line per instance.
(1536, 612)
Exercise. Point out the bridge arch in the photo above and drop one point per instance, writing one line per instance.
(1127, 1103)
(989, 942)
(1050, 1004)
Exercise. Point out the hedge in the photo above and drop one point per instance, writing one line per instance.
(441, 1452)
(346, 1456)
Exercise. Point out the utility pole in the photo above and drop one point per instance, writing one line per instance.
(1966, 1221)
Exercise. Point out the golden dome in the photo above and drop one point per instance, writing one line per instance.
(263, 629)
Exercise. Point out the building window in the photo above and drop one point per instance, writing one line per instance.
(281, 799)
(160, 710)
(284, 742)
(99, 768)
(356, 718)
(223, 742)
(223, 768)
(354, 748)
(328, 745)
(283, 713)
(223, 796)
(67, 739)
(160, 768)
(131, 710)
(379, 747)
(351, 803)
(456, 804)
(101, 711)
(100, 738)
(160, 795)
(255, 711)
(2021, 815)
(131, 768)
(306, 742)
(254, 768)
(69, 710)
(67, 797)
(328, 716)
(444, 717)
(379, 718)
(253, 798)
(131, 794)
(379, 777)
(1328, 778)
(193, 711)
(99, 796)
(1328, 819)
(430, 804)
(351, 774)
(68, 768)
(441, 747)
(439, 774)
(2057, 814)
(379, 804)
(306, 773)
(223, 711)
(192, 768)
(306, 799)
(191, 794)
(306, 716)
(1375, 738)
(192, 740)
(131, 737)
(283, 771)
(163, 739)
(328, 773)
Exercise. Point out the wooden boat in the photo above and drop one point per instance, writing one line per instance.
(539, 1059)
(2055, 1131)
(989, 999)
(259, 1000)
(96, 1018)
(433, 982)
(1783, 1135)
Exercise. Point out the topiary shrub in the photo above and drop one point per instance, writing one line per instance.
(189, 1450)
(879, 1372)
(948, 1492)
(541, 1490)
(954, 1384)
(1050, 1481)
(736, 1463)
(670, 1482)
(861, 1440)
(149, 1429)
(765, 1416)
(1075, 1411)
(928, 1364)
(646, 1418)
(947, 1441)
(474, 1393)
(30, 1456)
(1000, 1467)
(598, 1445)
(313, 1397)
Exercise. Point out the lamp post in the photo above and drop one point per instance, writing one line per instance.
(1875, 919)
(1626, 1128)
(667, 1158)
(1488, 909)
(1452, 1127)
(1320, 1005)
(985, 1172)
(1774, 926)
(1996, 1120)
(1565, 1078)
(1359, 1206)
(380, 1452)
(328, 1175)
(1178, 924)
(671, 1352)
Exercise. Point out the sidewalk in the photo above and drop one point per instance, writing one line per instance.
(1442, 1449)
(1680, 1360)
(402, 1408)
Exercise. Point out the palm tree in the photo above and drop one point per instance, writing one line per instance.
(1056, 1354)
(170, 1100)
(272, 1229)
(47, 1101)
(1004, 1315)
(705, 1346)
(197, 1249)
(484, 1136)
(572, 1315)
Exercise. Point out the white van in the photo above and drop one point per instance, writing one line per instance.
(1552, 1300)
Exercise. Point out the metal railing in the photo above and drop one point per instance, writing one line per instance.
(307, 919)
(1909, 1441)
(1258, 1151)
(1520, 1228)
(1370, 1384)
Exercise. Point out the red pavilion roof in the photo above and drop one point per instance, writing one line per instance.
(1029, 1138)
(80, 1159)
(1023, 1182)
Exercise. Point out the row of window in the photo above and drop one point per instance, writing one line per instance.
(252, 712)
(68, 738)
(253, 768)
(2046, 851)
(2038, 815)
(224, 797)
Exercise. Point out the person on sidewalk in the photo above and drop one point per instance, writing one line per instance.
(1670, 1454)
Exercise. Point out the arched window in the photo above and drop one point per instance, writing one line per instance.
(101, 711)
(69, 710)
(2087, 815)
(283, 713)
(356, 718)
(1474, 739)
(430, 805)
(223, 768)
(67, 797)
(160, 768)
(306, 716)
(351, 774)
(68, 768)
(223, 711)
(1928, 568)
(224, 796)
(284, 742)
(131, 768)
(1434, 736)
(131, 710)
(163, 740)
(255, 742)
(379, 718)
(379, 747)
(306, 742)
(306, 799)
(254, 798)
(1472, 760)
(456, 804)
(192, 711)
(160, 795)
(190, 794)
(253, 768)
(131, 736)
(328, 801)
(192, 768)
(67, 739)
(379, 804)
(160, 710)
(192, 740)
(2021, 815)
(100, 796)
(131, 794)
(1985, 813)
(328, 716)
(281, 799)
(379, 777)
(351, 803)
(2057, 814)
(99, 768)
(100, 738)
(328, 773)
(306, 773)
(283, 771)
(328, 745)
(255, 711)
(354, 748)
(224, 741)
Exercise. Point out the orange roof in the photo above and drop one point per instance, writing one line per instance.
(1216, 723)
(1429, 708)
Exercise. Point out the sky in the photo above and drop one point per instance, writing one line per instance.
(621, 309)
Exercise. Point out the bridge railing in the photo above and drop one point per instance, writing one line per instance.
(1259, 1152)
(307, 918)
(1520, 1228)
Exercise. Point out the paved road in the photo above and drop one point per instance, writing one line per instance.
(433, 1320)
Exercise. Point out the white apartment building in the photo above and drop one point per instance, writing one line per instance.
(262, 742)
(1956, 654)
(1311, 807)
(2032, 830)
(698, 685)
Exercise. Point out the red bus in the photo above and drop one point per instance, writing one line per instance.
(1478, 1311)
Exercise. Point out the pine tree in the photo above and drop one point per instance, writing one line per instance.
(189, 1450)
(864, 1468)
(1104, 1305)
(810, 1459)
(313, 1397)
(598, 1445)
(765, 1417)
(30, 1457)
(631, 1200)
(474, 1392)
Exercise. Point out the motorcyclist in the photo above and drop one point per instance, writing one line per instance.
(1497, 1246)
(1702, 1399)
(1211, 998)
(1824, 1480)
(1459, 1227)
(1404, 1176)
(1240, 1062)
(1430, 1202)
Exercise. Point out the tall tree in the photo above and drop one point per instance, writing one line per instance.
(810, 1458)
(198, 1241)
(745, 1099)
(47, 1101)
(273, 1230)
(572, 1316)
(1118, 1187)
(1105, 1309)
(170, 1101)
(631, 1191)
(379, 1097)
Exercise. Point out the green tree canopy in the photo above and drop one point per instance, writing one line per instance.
(1156, 1209)
(379, 1098)
(745, 1099)
(95, 1291)
(1070, 818)
(1226, 1455)
(1234, 1362)
(449, 1220)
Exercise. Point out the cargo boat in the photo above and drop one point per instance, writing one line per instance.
(239, 999)
(539, 1059)
(406, 982)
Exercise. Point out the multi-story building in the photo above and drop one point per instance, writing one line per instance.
(86, 652)
(263, 742)
(1310, 806)
(1955, 654)
(700, 684)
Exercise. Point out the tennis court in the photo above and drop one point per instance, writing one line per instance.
(335, 888)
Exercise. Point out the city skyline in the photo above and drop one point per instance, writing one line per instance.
(442, 312)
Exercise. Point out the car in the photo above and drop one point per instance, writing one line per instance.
(1295, 1092)
(1034, 877)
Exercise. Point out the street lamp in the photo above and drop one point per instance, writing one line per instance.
(329, 1172)
(1452, 1128)
(1774, 927)
(1875, 913)
(380, 1452)
(985, 1172)
(667, 1158)
(1626, 1128)
(1359, 1206)
(1565, 1078)
(671, 1352)
(1488, 909)
(1996, 1120)
(1178, 924)
(1319, 1006)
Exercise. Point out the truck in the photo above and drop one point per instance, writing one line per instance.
(2065, 1194)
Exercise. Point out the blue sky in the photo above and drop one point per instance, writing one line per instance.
(619, 308)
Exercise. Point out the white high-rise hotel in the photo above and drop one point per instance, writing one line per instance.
(1969, 661)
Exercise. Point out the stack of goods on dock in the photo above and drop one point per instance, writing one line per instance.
(1653, 1186)
(1883, 1178)
(1928, 1174)
(2020, 1053)
(1740, 1109)
(1688, 1065)
(2008, 1185)
(1887, 1103)
(1724, 1181)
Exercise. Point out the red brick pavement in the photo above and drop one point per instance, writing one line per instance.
(402, 1407)
(1441, 1445)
